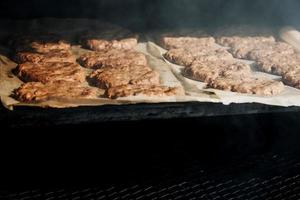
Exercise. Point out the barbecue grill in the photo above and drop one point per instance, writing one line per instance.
(236, 151)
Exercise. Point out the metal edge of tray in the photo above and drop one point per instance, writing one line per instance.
(32, 116)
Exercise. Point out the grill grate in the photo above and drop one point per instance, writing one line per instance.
(258, 177)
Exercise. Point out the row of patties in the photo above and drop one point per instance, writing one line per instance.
(271, 56)
(48, 68)
(51, 71)
(205, 61)
(123, 72)
(118, 67)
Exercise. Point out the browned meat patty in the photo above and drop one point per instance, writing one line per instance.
(110, 39)
(38, 92)
(229, 41)
(253, 47)
(207, 71)
(258, 86)
(278, 63)
(100, 45)
(186, 57)
(279, 48)
(182, 32)
(112, 58)
(243, 31)
(168, 42)
(39, 43)
(50, 72)
(241, 46)
(51, 56)
(180, 56)
(292, 78)
(241, 50)
(147, 90)
(107, 77)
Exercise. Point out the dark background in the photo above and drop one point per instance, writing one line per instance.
(160, 13)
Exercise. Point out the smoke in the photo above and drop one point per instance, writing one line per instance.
(161, 13)
(288, 12)
(220, 12)
(194, 13)
(216, 12)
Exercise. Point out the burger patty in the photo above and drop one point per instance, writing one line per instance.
(38, 92)
(254, 47)
(186, 57)
(147, 90)
(229, 41)
(51, 56)
(292, 78)
(243, 31)
(169, 42)
(241, 46)
(107, 77)
(249, 85)
(270, 49)
(207, 71)
(112, 58)
(50, 72)
(277, 63)
(39, 43)
(100, 45)
(110, 39)
(241, 50)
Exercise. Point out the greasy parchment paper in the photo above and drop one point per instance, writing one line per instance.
(8, 82)
(71, 29)
(170, 74)
(290, 96)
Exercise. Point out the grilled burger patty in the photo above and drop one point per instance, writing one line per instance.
(147, 90)
(51, 56)
(107, 77)
(186, 57)
(50, 72)
(112, 58)
(42, 43)
(38, 92)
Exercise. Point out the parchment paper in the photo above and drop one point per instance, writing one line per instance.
(9, 82)
(170, 74)
(72, 28)
(290, 96)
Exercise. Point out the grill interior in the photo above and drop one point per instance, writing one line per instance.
(159, 13)
(264, 174)
(227, 162)
(235, 163)
(269, 176)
